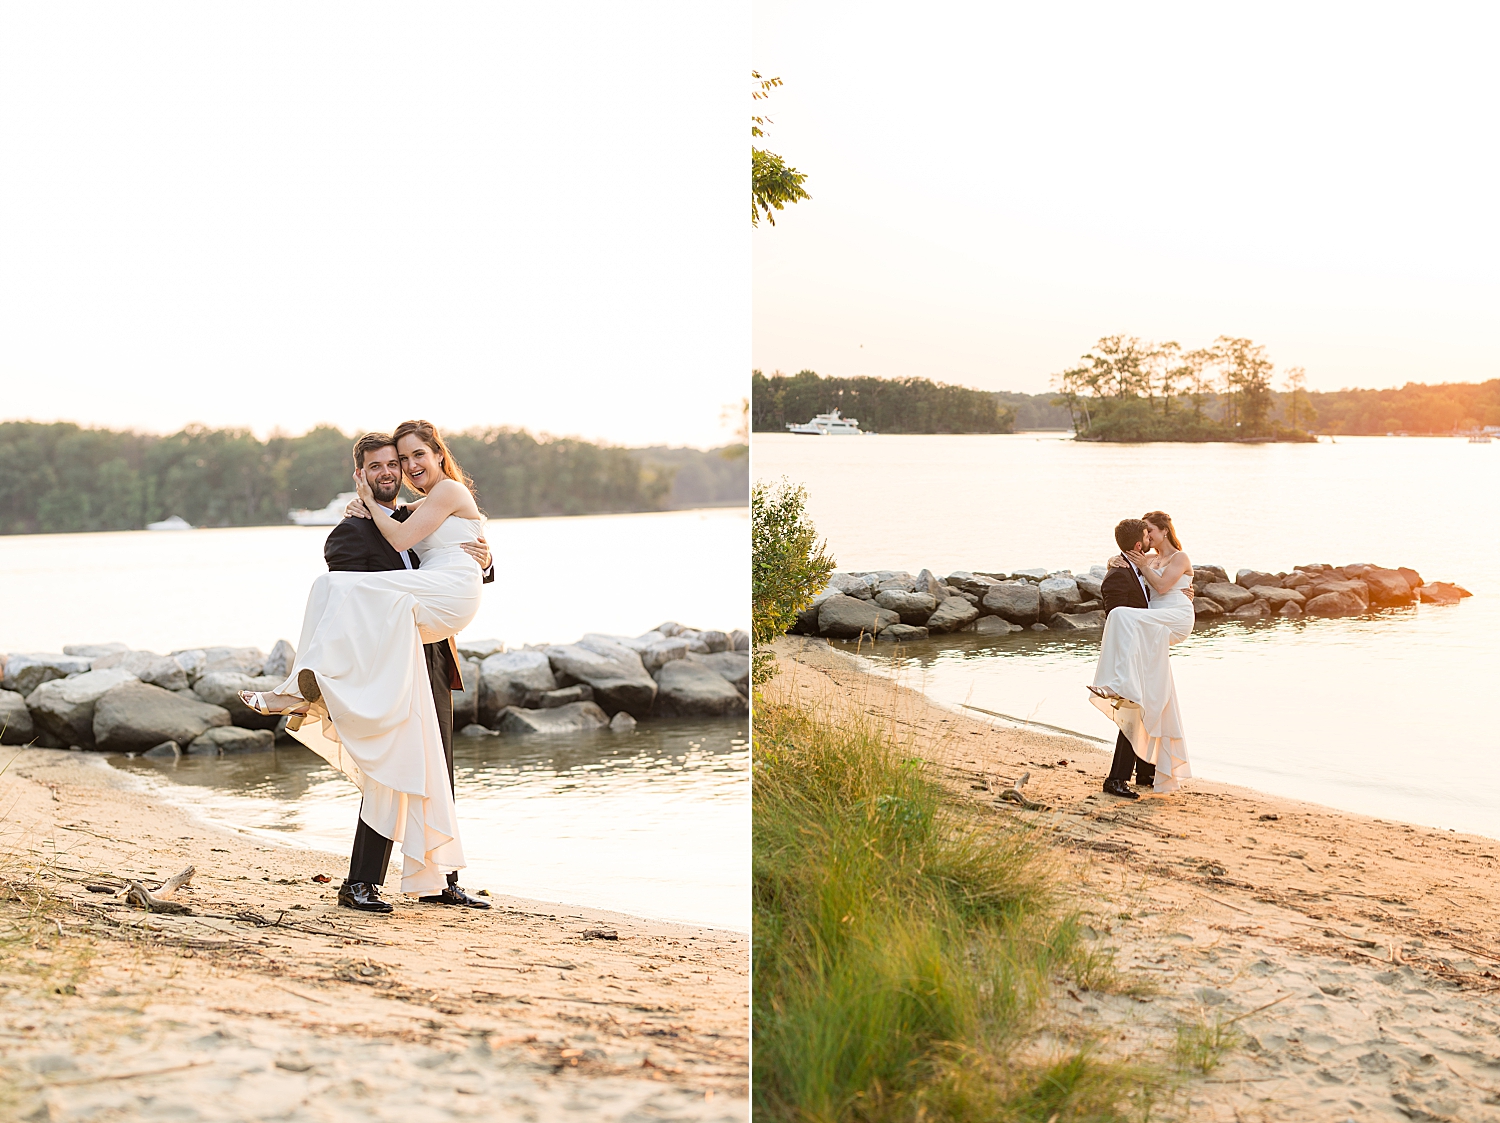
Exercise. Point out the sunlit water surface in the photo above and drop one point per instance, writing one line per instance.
(1390, 715)
(654, 823)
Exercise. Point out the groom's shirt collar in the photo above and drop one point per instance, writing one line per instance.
(405, 554)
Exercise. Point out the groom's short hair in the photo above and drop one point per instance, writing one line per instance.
(1129, 533)
(370, 442)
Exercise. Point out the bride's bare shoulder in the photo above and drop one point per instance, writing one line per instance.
(453, 495)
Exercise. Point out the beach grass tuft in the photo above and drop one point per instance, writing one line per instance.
(1202, 1044)
(904, 948)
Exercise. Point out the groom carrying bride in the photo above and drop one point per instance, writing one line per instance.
(356, 545)
(1124, 587)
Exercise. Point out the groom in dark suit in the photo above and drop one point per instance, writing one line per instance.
(357, 545)
(1124, 587)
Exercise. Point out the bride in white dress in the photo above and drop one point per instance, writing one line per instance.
(1133, 681)
(359, 694)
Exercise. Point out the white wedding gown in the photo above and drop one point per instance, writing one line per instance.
(362, 635)
(1133, 663)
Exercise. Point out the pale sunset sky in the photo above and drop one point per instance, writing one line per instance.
(276, 214)
(995, 186)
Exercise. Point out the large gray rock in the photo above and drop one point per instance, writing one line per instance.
(991, 626)
(662, 651)
(281, 660)
(1255, 610)
(1019, 602)
(926, 583)
(466, 701)
(577, 718)
(480, 649)
(62, 709)
(807, 619)
(913, 608)
(951, 615)
(715, 640)
(1058, 594)
(1091, 585)
(894, 580)
(513, 678)
(976, 583)
(233, 739)
(739, 640)
(222, 688)
(16, 726)
(244, 660)
(93, 650)
(1358, 591)
(1037, 575)
(1340, 602)
(732, 666)
(851, 585)
(622, 722)
(1252, 578)
(1228, 597)
(134, 716)
(1441, 592)
(1276, 597)
(689, 689)
(1388, 587)
(191, 660)
(1204, 608)
(24, 672)
(906, 633)
(565, 696)
(1077, 621)
(148, 666)
(845, 617)
(619, 679)
(1212, 572)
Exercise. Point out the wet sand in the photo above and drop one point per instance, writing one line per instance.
(1358, 960)
(270, 1002)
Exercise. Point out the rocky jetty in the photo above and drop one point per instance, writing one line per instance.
(114, 699)
(894, 606)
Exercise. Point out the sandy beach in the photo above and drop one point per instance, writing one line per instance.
(267, 1001)
(1352, 964)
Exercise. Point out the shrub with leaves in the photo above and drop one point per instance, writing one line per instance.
(789, 565)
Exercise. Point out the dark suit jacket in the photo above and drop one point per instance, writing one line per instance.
(1121, 588)
(356, 545)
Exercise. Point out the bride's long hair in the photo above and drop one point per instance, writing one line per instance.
(426, 432)
(1162, 521)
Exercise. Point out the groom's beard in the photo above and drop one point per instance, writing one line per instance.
(383, 496)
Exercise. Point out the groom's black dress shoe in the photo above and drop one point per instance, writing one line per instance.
(1119, 788)
(453, 895)
(363, 896)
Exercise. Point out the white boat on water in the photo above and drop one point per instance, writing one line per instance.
(829, 424)
(175, 522)
(331, 515)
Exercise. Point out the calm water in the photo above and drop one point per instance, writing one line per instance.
(653, 823)
(1390, 715)
(554, 580)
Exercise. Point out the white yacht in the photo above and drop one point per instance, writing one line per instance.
(175, 522)
(829, 424)
(331, 515)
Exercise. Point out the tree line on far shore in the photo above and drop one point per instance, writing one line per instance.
(1129, 389)
(65, 478)
(881, 405)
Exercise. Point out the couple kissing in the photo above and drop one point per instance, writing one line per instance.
(1148, 605)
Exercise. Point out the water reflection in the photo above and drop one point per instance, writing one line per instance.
(653, 823)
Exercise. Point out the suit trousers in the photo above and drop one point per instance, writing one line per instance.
(1125, 760)
(370, 856)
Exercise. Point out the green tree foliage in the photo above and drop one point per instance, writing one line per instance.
(897, 405)
(1415, 408)
(65, 478)
(773, 182)
(1034, 411)
(1130, 389)
(788, 564)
